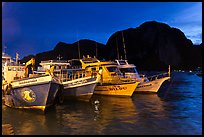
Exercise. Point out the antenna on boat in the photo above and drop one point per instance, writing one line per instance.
(79, 50)
(17, 57)
(78, 46)
(124, 46)
(96, 49)
(117, 48)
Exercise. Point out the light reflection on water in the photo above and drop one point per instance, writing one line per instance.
(175, 110)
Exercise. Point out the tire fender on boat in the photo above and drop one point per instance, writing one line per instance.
(59, 99)
(7, 89)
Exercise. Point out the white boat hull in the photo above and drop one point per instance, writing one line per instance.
(81, 89)
(151, 86)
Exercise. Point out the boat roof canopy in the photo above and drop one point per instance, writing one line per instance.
(55, 61)
(121, 62)
(127, 66)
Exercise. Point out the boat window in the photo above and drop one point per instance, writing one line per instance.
(87, 62)
(93, 69)
(63, 67)
(76, 63)
(113, 69)
(122, 62)
(9, 69)
(130, 70)
(18, 69)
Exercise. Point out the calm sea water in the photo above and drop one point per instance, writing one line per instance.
(175, 110)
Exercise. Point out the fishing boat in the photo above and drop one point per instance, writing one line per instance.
(147, 84)
(77, 83)
(14, 72)
(111, 82)
(29, 91)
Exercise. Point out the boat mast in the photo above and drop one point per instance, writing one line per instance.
(78, 46)
(79, 50)
(96, 49)
(124, 46)
(17, 57)
(117, 48)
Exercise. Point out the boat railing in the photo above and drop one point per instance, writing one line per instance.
(54, 61)
(157, 76)
(68, 75)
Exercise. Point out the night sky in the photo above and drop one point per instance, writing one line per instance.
(34, 27)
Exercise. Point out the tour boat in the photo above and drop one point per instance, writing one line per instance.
(111, 82)
(147, 84)
(77, 83)
(31, 92)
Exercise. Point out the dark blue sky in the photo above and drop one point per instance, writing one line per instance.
(34, 27)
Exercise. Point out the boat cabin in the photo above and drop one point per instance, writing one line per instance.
(13, 71)
(62, 69)
(110, 70)
(129, 70)
(5, 59)
(59, 64)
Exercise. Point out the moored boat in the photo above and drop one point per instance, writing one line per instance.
(37, 92)
(151, 85)
(29, 92)
(111, 82)
(147, 84)
(77, 83)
